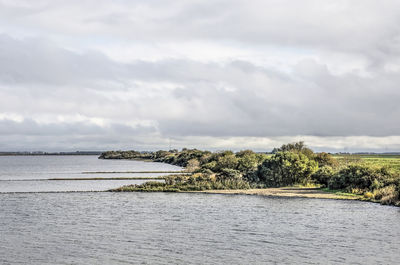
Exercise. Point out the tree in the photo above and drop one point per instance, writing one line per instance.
(192, 165)
(229, 173)
(323, 175)
(325, 159)
(247, 162)
(358, 177)
(244, 153)
(286, 168)
(298, 147)
(228, 160)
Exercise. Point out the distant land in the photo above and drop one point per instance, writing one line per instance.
(39, 153)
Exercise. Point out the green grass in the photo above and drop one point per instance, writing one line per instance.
(390, 161)
(341, 192)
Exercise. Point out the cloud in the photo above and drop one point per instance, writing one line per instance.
(145, 72)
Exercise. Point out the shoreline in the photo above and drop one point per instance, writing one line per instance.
(287, 192)
(284, 192)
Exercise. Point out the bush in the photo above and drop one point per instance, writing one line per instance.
(229, 173)
(228, 160)
(298, 147)
(360, 177)
(323, 175)
(387, 195)
(210, 166)
(286, 168)
(248, 161)
(325, 159)
(369, 195)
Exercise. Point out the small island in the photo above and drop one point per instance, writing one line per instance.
(292, 170)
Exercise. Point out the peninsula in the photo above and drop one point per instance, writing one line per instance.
(292, 170)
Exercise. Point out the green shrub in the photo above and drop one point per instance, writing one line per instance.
(325, 159)
(229, 173)
(286, 168)
(228, 160)
(323, 175)
(357, 177)
(298, 147)
(212, 165)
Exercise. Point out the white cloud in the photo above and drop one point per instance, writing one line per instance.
(208, 74)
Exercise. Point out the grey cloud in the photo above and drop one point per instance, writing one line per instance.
(50, 66)
(35, 60)
(29, 127)
(367, 27)
(215, 99)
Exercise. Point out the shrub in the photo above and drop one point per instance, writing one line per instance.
(286, 168)
(298, 147)
(387, 195)
(325, 159)
(193, 165)
(248, 161)
(357, 177)
(369, 195)
(210, 166)
(229, 174)
(228, 160)
(323, 175)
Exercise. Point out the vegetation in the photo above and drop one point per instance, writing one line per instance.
(286, 168)
(389, 161)
(370, 178)
(195, 182)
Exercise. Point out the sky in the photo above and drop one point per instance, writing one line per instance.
(221, 74)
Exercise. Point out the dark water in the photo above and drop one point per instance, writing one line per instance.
(171, 228)
(29, 173)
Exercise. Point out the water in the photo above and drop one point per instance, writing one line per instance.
(178, 228)
(31, 173)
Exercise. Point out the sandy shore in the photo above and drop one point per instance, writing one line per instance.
(286, 192)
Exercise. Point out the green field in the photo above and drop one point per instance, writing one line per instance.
(389, 161)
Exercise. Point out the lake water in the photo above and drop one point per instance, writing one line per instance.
(190, 228)
(31, 173)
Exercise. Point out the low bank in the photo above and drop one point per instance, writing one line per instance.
(299, 192)
(293, 192)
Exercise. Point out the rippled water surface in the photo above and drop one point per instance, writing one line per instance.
(175, 228)
(31, 173)
(178, 228)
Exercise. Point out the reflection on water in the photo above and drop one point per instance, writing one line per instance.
(162, 228)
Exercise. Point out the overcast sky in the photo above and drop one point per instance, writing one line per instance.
(99, 75)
